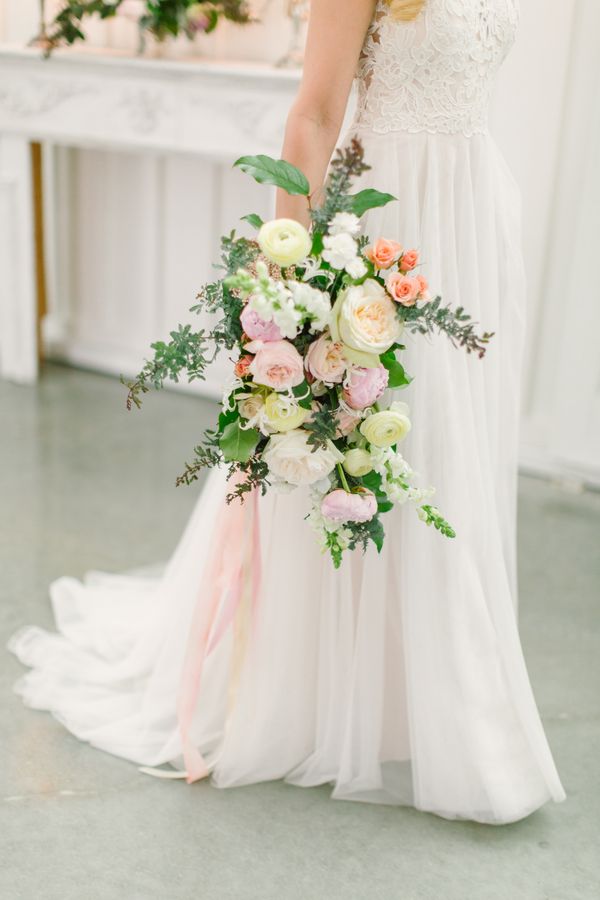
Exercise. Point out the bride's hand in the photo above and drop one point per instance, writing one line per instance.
(336, 33)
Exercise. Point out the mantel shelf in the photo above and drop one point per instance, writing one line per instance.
(122, 62)
(92, 98)
(86, 98)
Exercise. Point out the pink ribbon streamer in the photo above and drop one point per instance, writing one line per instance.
(234, 566)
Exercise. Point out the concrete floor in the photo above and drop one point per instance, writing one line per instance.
(86, 485)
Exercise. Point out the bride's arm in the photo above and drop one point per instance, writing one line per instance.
(336, 33)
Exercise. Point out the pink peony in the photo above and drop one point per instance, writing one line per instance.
(365, 386)
(383, 253)
(341, 506)
(409, 260)
(256, 328)
(277, 364)
(403, 288)
(325, 360)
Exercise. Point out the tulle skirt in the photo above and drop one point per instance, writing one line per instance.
(399, 678)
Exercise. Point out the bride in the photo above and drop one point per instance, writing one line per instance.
(400, 678)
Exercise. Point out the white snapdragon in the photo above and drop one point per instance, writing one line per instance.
(311, 304)
(272, 301)
(419, 494)
(344, 223)
(396, 476)
(325, 529)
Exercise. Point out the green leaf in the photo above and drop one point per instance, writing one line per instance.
(253, 220)
(376, 532)
(317, 244)
(282, 174)
(372, 480)
(227, 416)
(303, 394)
(238, 443)
(397, 375)
(369, 199)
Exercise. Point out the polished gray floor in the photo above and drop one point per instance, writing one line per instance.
(84, 484)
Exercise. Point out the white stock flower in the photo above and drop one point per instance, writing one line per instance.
(357, 268)
(339, 250)
(344, 223)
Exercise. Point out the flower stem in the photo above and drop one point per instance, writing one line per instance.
(343, 479)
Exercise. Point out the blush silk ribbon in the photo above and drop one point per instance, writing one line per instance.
(232, 584)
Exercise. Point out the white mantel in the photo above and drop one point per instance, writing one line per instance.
(82, 98)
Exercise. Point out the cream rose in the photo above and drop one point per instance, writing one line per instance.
(383, 429)
(284, 241)
(364, 319)
(291, 458)
(251, 406)
(357, 462)
(283, 413)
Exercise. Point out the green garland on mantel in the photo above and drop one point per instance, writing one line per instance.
(161, 18)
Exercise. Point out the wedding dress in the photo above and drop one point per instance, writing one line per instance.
(399, 678)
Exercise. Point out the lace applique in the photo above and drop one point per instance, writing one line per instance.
(434, 74)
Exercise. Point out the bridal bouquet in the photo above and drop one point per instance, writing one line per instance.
(314, 322)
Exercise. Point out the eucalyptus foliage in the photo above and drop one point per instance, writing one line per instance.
(161, 18)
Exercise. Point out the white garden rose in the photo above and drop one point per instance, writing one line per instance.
(291, 458)
(357, 462)
(383, 429)
(364, 319)
(357, 268)
(284, 241)
(251, 407)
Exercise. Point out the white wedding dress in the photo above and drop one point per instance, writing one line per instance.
(399, 678)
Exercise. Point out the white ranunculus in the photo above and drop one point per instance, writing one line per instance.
(388, 427)
(284, 241)
(339, 250)
(291, 458)
(357, 462)
(344, 223)
(364, 319)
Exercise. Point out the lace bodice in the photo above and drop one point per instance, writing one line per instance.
(435, 73)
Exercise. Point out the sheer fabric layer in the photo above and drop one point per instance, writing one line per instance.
(400, 678)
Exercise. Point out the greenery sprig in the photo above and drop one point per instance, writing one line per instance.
(322, 427)
(186, 351)
(161, 18)
(456, 324)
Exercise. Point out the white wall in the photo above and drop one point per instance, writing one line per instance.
(109, 304)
